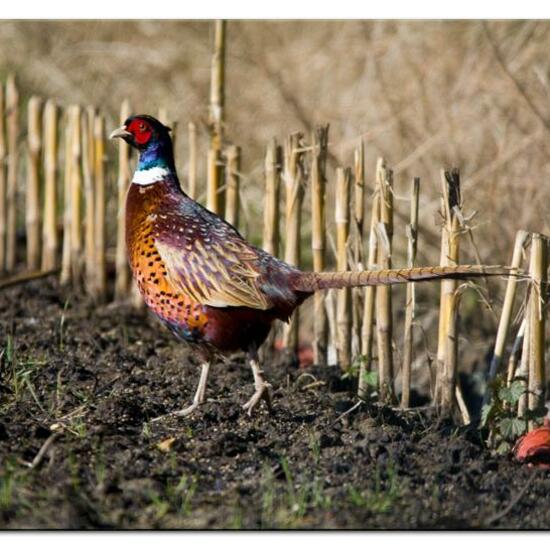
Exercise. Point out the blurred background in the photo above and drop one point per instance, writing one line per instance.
(425, 95)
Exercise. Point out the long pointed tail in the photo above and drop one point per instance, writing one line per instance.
(310, 282)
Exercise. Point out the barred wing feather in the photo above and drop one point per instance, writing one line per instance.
(224, 275)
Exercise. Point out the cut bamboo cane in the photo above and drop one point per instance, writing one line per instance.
(217, 87)
(270, 238)
(66, 250)
(450, 182)
(412, 240)
(123, 181)
(318, 239)
(3, 211)
(99, 225)
(12, 125)
(270, 242)
(49, 226)
(293, 177)
(76, 195)
(232, 181)
(87, 122)
(507, 308)
(192, 168)
(213, 178)
(384, 292)
(538, 269)
(357, 294)
(523, 372)
(342, 215)
(90, 149)
(515, 353)
(367, 328)
(449, 386)
(214, 199)
(163, 115)
(462, 407)
(32, 202)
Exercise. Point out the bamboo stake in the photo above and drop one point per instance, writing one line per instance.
(3, 212)
(99, 225)
(213, 177)
(217, 87)
(318, 238)
(12, 124)
(67, 178)
(357, 294)
(88, 163)
(192, 170)
(32, 203)
(270, 239)
(76, 192)
(216, 120)
(412, 236)
(384, 293)
(367, 328)
(507, 308)
(273, 156)
(515, 353)
(293, 177)
(123, 181)
(232, 177)
(538, 270)
(163, 115)
(342, 214)
(523, 373)
(49, 227)
(450, 182)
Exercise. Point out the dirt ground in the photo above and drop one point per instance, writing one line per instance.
(102, 373)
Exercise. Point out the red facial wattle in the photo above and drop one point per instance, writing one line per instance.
(140, 130)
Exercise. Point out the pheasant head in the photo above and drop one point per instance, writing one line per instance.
(152, 139)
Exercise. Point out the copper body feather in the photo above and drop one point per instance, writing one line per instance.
(199, 276)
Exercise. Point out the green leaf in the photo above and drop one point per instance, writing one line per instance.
(505, 394)
(371, 378)
(517, 389)
(511, 428)
(503, 448)
(512, 393)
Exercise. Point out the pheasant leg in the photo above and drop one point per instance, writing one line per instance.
(197, 400)
(261, 386)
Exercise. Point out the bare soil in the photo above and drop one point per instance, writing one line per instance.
(101, 373)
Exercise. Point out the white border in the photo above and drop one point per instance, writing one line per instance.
(285, 9)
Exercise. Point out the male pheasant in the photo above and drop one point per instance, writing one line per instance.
(202, 279)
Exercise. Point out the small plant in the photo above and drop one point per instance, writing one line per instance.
(382, 498)
(12, 482)
(62, 325)
(369, 378)
(176, 499)
(6, 490)
(500, 415)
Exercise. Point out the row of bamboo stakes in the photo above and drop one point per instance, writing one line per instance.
(347, 324)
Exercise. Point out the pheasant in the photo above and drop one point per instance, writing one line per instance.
(203, 280)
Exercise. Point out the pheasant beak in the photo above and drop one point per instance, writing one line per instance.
(120, 133)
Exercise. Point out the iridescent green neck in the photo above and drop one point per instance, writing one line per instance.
(157, 155)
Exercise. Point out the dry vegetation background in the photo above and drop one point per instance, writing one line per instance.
(424, 94)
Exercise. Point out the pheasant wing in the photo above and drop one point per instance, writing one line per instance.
(215, 274)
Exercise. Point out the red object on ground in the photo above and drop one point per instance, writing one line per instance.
(534, 447)
(305, 352)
